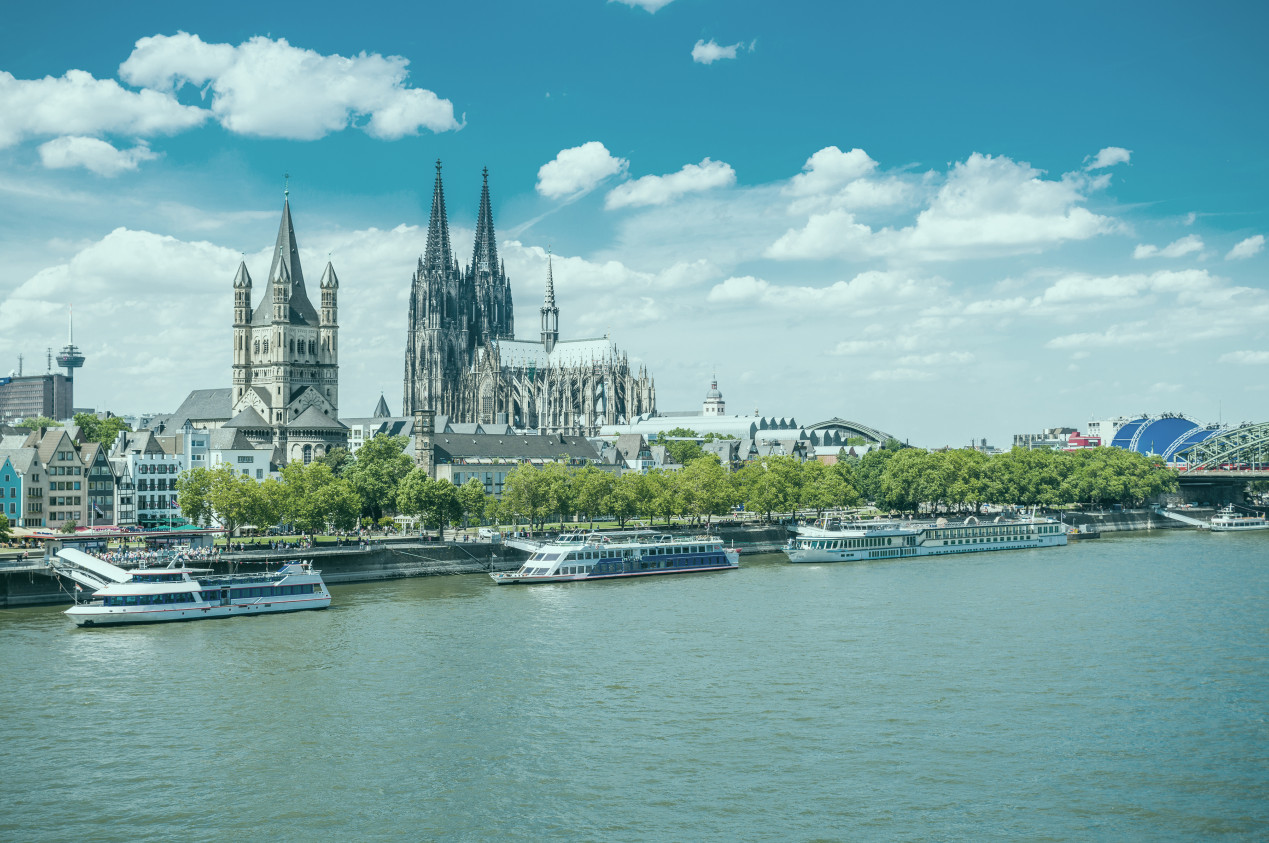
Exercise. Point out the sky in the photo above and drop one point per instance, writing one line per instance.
(945, 221)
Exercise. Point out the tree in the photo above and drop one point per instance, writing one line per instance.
(684, 449)
(37, 423)
(472, 499)
(435, 501)
(559, 486)
(193, 492)
(663, 493)
(4, 528)
(526, 492)
(375, 471)
(627, 500)
(314, 497)
(69, 526)
(825, 488)
(104, 431)
(338, 459)
(706, 488)
(593, 492)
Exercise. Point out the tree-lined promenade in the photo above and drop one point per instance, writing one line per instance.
(344, 492)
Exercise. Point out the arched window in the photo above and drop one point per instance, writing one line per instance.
(257, 348)
(292, 345)
(308, 454)
(266, 346)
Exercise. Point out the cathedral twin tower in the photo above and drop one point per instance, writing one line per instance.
(462, 360)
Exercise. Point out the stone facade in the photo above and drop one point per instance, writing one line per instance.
(463, 361)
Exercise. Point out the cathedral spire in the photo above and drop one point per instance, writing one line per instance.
(438, 257)
(485, 255)
(550, 313)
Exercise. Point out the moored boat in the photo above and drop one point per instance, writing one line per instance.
(579, 557)
(862, 541)
(149, 595)
(1230, 520)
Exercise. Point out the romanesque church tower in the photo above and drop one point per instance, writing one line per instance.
(286, 357)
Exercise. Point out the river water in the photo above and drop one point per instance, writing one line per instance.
(1112, 689)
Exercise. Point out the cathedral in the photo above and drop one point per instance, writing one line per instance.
(285, 390)
(462, 359)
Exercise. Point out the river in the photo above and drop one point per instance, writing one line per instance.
(1111, 689)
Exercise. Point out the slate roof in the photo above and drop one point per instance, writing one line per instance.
(248, 419)
(22, 459)
(381, 409)
(231, 439)
(286, 270)
(203, 405)
(142, 440)
(314, 419)
(518, 447)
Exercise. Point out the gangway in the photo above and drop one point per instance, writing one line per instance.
(1176, 516)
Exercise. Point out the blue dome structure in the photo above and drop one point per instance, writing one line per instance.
(1165, 436)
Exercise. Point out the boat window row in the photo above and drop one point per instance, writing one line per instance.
(854, 544)
(1007, 530)
(270, 591)
(149, 599)
(145, 576)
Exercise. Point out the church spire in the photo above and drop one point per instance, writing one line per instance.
(485, 255)
(286, 272)
(550, 313)
(438, 257)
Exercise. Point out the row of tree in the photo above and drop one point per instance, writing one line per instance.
(380, 481)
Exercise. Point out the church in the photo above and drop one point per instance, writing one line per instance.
(462, 359)
(285, 392)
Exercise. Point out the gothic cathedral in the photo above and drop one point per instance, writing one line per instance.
(462, 360)
(286, 358)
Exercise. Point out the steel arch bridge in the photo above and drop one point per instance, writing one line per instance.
(1246, 445)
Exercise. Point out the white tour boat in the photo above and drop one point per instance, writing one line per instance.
(854, 542)
(1230, 520)
(576, 557)
(148, 595)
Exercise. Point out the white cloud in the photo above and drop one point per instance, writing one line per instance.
(1109, 157)
(1247, 248)
(658, 190)
(865, 293)
(578, 170)
(900, 374)
(987, 206)
(938, 358)
(650, 5)
(78, 104)
(709, 52)
(92, 154)
(829, 169)
(268, 88)
(1246, 358)
(1133, 334)
(1177, 248)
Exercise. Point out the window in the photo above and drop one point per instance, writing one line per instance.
(308, 454)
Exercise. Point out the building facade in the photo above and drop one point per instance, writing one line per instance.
(462, 359)
(34, 396)
(286, 358)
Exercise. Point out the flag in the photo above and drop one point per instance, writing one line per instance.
(78, 587)
(97, 511)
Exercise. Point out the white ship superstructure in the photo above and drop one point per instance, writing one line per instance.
(599, 556)
(1230, 520)
(903, 539)
(149, 595)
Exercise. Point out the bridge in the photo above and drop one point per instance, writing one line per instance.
(1218, 468)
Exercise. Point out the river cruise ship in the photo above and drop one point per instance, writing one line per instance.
(150, 595)
(578, 557)
(1230, 520)
(849, 542)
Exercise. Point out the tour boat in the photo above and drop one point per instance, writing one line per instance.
(149, 595)
(578, 557)
(906, 539)
(1230, 520)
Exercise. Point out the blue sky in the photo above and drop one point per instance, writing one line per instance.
(948, 222)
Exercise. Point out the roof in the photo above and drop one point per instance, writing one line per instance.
(517, 447)
(286, 270)
(202, 405)
(22, 459)
(381, 409)
(567, 353)
(249, 419)
(313, 418)
(231, 439)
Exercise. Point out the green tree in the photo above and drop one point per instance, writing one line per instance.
(594, 489)
(559, 485)
(338, 459)
(37, 423)
(825, 487)
(435, 501)
(193, 494)
(104, 431)
(375, 471)
(69, 526)
(683, 450)
(526, 491)
(706, 488)
(472, 500)
(313, 497)
(5, 532)
(663, 492)
(628, 495)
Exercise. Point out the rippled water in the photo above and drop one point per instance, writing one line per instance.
(1113, 689)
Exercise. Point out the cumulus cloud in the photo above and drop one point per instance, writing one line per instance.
(829, 169)
(709, 52)
(578, 170)
(77, 104)
(1247, 248)
(92, 154)
(987, 206)
(1177, 248)
(1109, 157)
(650, 5)
(268, 88)
(1246, 358)
(658, 190)
(866, 292)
